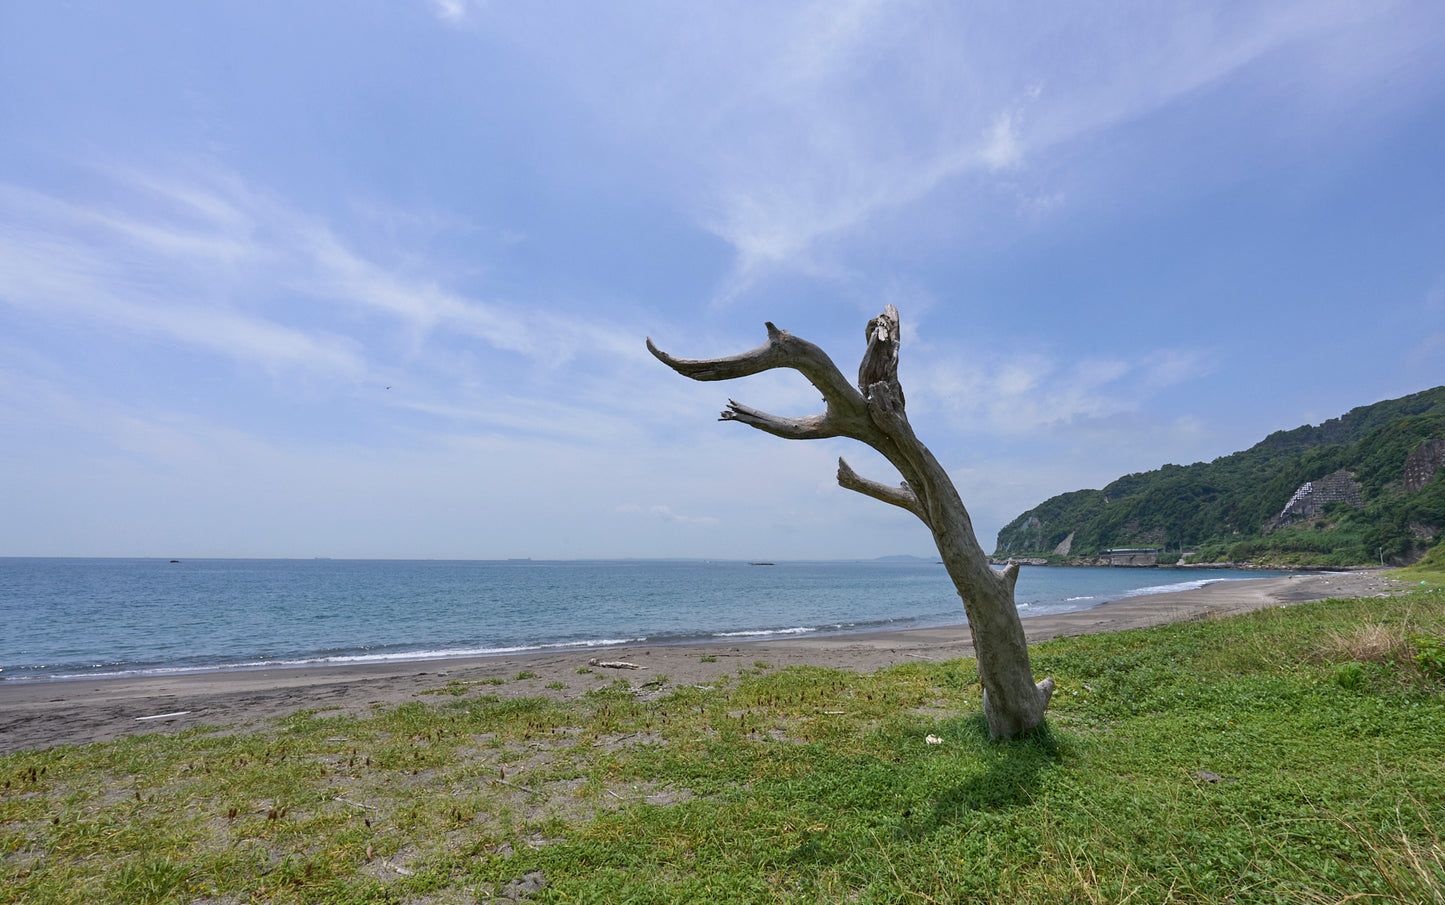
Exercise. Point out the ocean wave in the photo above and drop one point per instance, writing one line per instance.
(453, 653)
(761, 633)
(1178, 586)
(321, 660)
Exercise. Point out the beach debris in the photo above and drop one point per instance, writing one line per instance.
(161, 716)
(933, 740)
(614, 664)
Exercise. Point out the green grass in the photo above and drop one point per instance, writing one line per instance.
(1429, 570)
(1284, 756)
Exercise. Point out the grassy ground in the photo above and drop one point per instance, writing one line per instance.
(1284, 756)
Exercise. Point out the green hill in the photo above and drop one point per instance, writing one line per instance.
(1332, 494)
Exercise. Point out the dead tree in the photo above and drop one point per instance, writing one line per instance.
(873, 414)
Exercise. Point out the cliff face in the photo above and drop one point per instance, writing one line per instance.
(1312, 497)
(1422, 465)
(1352, 489)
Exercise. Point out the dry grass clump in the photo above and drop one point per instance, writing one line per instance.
(1407, 648)
(1369, 642)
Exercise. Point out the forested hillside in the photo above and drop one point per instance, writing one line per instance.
(1332, 494)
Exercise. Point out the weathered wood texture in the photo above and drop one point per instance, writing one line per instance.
(873, 414)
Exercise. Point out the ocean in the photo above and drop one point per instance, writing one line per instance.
(72, 618)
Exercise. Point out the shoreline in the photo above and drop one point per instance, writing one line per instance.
(46, 713)
(340, 656)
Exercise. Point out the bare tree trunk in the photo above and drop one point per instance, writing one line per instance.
(873, 414)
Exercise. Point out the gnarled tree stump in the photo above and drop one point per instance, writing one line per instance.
(873, 414)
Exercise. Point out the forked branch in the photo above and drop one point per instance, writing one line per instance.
(782, 350)
(873, 416)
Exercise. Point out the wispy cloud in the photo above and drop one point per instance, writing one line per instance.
(451, 11)
(1427, 354)
(1029, 392)
(208, 265)
(790, 130)
(73, 281)
(213, 263)
(666, 514)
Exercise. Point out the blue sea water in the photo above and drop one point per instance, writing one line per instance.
(98, 617)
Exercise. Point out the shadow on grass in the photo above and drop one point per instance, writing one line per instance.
(1012, 776)
(988, 778)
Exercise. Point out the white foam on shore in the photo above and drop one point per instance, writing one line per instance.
(761, 633)
(455, 653)
(1178, 586)
(338, 660)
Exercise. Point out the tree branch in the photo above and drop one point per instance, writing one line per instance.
(1011, 575)
(782, 350)
(901, 496)
(813, 427)
(880, 361)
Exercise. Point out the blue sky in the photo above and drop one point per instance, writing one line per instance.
(373, 279)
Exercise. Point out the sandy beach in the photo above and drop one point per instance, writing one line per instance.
(42, 714)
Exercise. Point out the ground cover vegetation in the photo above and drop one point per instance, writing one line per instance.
(1430, 569)
(1288, 755)
(1223, 510)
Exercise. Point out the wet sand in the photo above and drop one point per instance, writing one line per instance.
(43, 714)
